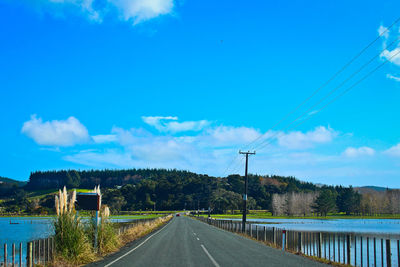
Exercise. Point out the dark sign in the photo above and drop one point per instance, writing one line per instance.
(87, 201)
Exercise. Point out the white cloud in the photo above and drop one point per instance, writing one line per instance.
(141, 10)
(391, 55)
(135, 11)
(353, 152)
(300, 140)
(383, 30)
(393, 151)
(390, 76)
(228, 135)
(170, 124)
(57, 132)
(106, 138)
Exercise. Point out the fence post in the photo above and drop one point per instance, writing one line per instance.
(257, 232)
(20, 254)
(361, 248)
(29, 262)
(283, 239)
(5, 254)
(382, 251)
(388, 254)
(374, 251)
(398, 252)
(348, 237)
(319, 245)
(367, 251)
(299, 243)
(265, 234)
(355, 250)
(13, 254)
(274, 235)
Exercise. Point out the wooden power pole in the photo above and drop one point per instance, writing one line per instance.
(245, 189)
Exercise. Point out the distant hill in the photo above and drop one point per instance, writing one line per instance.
(5, 180)
(370, 189)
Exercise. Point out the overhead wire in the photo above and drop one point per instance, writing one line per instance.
(342, 93)
(320, 88)
(307, 111)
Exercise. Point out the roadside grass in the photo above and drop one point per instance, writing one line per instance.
(143, 229)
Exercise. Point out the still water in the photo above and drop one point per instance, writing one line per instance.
(369, 226)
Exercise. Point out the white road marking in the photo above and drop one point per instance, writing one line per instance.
(117, 259)
(198, 238)
(211, 258)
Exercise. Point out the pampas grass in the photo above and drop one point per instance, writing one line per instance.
(72, 245)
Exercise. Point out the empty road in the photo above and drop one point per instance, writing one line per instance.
(188, 242)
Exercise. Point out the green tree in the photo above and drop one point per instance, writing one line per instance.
(325, 202)
(348, 200)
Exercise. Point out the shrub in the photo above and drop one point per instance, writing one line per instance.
(72, 245)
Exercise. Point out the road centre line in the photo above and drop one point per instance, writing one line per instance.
(117, 259)
(211, 258)
(198, 238)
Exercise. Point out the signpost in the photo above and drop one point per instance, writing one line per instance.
(89, 201)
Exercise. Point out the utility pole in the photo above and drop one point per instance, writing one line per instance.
(245, 189)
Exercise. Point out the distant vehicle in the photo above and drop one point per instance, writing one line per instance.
(178, 214)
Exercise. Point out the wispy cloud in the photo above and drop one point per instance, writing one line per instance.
(171, 124)
(390, 76)
(104, 138)
(300, 140)
(393, 151)
(67, 132)
(353, 152)
(133, 11)
(392, 55)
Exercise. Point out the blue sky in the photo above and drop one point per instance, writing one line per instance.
(186, 84)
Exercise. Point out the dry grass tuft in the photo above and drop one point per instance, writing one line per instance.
(143, 229)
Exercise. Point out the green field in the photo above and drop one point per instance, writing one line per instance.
(253, 214)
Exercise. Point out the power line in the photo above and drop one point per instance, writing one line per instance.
(332, 91)
(342, 94)
(318, 89)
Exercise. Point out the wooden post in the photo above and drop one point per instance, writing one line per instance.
(329, 246)
(355, 250)
(299, 243)
(368, 251)
(33, 252)
(388, 254)
(39, 249)
(257, 231)
(5, 255)
(374, 251)
(398, 253)
(283, 239)
(348, 237)
(274, 235)
(382, 251)
(20, 254)
(333, 246)
(338, 247)
(319, 245)
(361, 248)
(265, 234)
(29, 260)
(344, 250)
(13, 254)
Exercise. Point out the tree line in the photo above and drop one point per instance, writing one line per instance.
(162, 189)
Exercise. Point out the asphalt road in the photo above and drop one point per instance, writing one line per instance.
(188, 242)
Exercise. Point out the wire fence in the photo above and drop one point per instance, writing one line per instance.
(347, 248)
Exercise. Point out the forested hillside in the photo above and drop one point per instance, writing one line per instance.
(161, 189)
